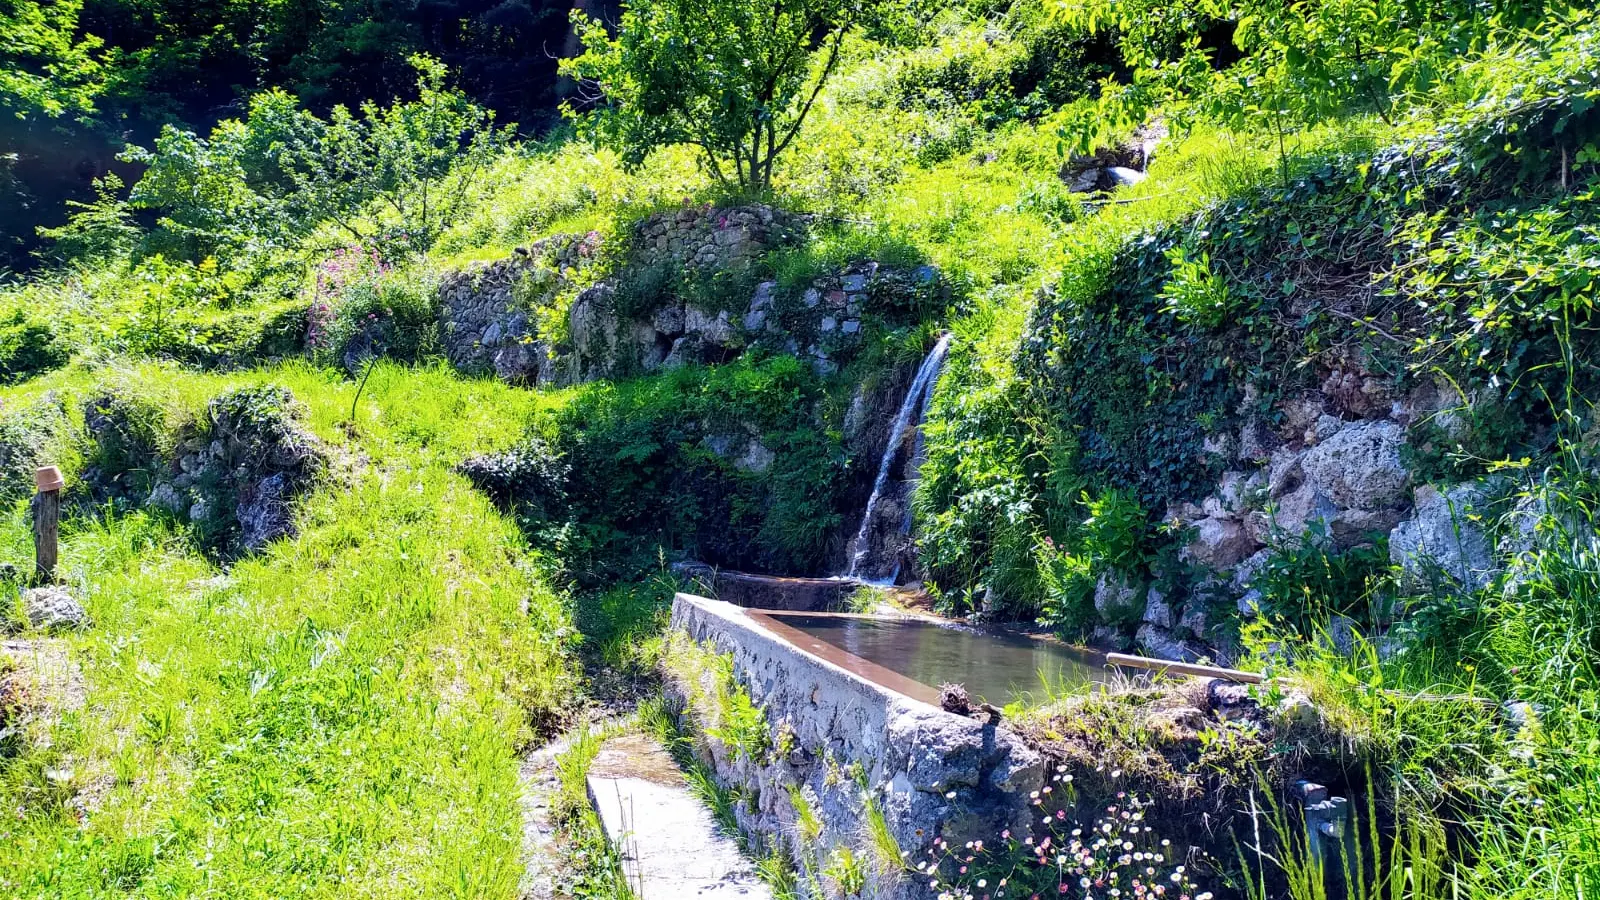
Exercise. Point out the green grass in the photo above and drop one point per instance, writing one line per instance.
(337, 717)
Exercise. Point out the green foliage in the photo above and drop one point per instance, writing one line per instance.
(34, 432)
(805, 817)
(735, 78)
(529, 480)
(740, 724)
(395, 315)
(1070, 855)
(846, 871)
(48, 68)
(655, 462)
(27, 348)
(592, 867)
(98, 231)
(391, 177)
(1195, 293)
(413, 162)
(976, 496)
(719, 703)
(1116, 532)
(1305, 580)
(224, 195)
(1276, 67)
(1428, 708)
(1067, 580)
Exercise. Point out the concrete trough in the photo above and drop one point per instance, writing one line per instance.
(851, 741)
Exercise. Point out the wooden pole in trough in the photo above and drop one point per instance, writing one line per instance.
(46, 522)
(1178, 668)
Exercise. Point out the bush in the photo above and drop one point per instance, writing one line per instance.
(1067, 603)
(363, 307)
(668, 461)
(1306, 580)
(529, 480)
(28, 348)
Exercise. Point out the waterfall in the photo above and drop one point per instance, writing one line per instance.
(909, 416)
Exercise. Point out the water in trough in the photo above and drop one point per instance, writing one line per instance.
(996, 666)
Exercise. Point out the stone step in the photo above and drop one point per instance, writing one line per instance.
(671, 847)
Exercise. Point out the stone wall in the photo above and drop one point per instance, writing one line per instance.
(844, 744)
(823, 324)
(488, 312)
(1332, 471)
(712, 237)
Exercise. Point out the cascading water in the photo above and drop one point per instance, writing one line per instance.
(908, 418)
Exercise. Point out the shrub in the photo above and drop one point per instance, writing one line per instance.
(1305, 579)
(1115, 532)
(1067, 602)
(363, 307)
(529, 479)
(27, 348)
(661, 462)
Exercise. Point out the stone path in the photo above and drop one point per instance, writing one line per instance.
(672, 848)
(537, 776)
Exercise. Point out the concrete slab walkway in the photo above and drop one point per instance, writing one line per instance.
(671, 847)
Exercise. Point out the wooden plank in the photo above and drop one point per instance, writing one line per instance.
(1180, 668)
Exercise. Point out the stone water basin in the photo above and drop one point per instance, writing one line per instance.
(855, 729)
(914, 656)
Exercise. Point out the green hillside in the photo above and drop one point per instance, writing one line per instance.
(384, 423)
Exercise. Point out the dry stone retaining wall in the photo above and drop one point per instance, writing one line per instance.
(488, 312)
(713, 237)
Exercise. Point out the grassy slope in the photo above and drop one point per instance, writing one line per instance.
(337, 717)
(404, 587)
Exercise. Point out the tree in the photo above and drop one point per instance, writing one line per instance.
(390, 177)
(50, 79)
(1279, 65)
(406, 169)
(46, 69)
(735, 78)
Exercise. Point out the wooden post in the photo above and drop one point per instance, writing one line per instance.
(46, 522)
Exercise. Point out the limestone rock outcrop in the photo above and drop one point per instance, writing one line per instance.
(1328, 469)
(1446, 536)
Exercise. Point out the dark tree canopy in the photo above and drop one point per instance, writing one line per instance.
(79, 78)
